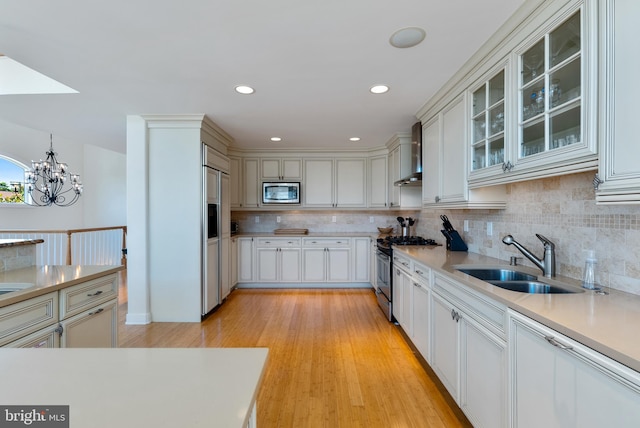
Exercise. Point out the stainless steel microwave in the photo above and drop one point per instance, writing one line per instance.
(280, 193)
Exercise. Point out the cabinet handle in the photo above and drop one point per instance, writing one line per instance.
(419, 272)
(453, 314)
(458, 317)
(96, 312)
(437, 199)
(557, 344)
(597, 181)
(97, 293)
(59, 330)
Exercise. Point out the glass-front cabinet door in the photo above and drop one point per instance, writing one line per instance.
(550, 91)
(487, 116)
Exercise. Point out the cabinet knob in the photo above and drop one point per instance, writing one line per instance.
(97, 293)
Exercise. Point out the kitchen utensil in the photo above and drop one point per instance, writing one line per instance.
(411, 221)
(446, 223)
(401, 221)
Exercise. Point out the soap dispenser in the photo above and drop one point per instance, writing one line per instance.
(589, 277)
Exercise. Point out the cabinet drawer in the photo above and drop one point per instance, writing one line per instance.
(402, 262)
(81, 297)
(484, 310)
(23, 318)
(422, 272)
(46, 338)
(326, 242)
(277, 242)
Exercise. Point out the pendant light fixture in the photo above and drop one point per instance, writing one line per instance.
(48, 182)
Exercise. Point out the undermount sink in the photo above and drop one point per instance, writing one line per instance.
(498, 274)
(514, 280)
(10, 287)
(532, 287)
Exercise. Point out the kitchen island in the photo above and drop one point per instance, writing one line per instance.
(212, 387)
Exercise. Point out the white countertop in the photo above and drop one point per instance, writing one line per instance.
(196, 387)
(606, 323)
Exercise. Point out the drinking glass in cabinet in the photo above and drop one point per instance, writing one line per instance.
(479, 126)
(533, 63)
(478, 157)
(564, 41)
(497, 119)
(555, 92)
(532, 101)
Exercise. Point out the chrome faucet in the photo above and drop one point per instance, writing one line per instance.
(548, 262)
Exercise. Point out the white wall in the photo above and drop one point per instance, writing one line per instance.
(105, 182)
(99, 169)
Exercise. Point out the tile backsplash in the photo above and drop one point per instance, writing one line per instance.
(563, 209)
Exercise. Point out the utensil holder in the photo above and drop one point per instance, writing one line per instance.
(454, 241)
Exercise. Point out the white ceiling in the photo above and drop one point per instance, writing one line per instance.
(311, 63)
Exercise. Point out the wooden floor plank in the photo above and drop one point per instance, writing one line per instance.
(334, 359)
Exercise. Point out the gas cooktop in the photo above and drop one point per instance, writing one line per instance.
(406, 240)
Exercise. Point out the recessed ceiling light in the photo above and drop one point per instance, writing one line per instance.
(244, 89)
(407, 37)
(276, 139)
(354, 139)
(379, 89)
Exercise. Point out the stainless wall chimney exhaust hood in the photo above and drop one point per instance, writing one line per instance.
(415, 178)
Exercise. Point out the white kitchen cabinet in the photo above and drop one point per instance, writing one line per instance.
(445, 351)
(278, 260)
(47, 337)
(421, 311)
(558, 382)
(394, 175)
(34, 316)
(89, 314)
(94, 328)
(619, 169)
(233, 272)
(326, 260)
(236, 198)
(402, 292)
(378, 182)
(336, 183)
(469, 351)
(351, 183)
(445, 163)
(225, 267)
(250, 183)
(281, 169)
(246, 257)
(361, 251)
(318, 183)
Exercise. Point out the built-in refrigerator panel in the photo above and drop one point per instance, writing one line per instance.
(211, 230)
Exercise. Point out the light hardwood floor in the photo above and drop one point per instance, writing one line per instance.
(334, 361)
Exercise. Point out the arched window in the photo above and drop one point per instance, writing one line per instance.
(11, 181)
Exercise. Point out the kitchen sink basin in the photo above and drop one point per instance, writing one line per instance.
(532, 287)
(10, 287)
(498, 274)
(514, 280)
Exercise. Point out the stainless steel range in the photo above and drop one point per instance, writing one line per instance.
(384, 264)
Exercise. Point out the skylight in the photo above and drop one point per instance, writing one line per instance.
(18, 79)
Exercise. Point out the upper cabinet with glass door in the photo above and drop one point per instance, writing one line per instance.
(542, 121)
(551, 117)
(550, 92)
(488, 118)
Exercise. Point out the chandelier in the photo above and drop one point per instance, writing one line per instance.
(45, 182)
